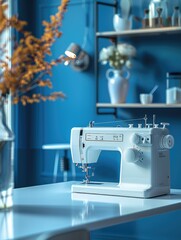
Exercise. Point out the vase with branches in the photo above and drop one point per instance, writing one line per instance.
(26, 69)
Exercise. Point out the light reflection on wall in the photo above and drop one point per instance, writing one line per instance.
(6, 225)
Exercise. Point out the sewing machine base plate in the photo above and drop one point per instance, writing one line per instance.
(124, 190)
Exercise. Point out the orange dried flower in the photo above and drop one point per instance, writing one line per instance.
(28, 61)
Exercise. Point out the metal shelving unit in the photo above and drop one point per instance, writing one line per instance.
(97, 3)
(139, 32)
(128, 33)
(137, 105)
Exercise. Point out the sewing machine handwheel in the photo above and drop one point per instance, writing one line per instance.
(167, 142)
(131, 155)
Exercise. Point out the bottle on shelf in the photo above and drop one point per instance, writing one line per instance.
(176, 17)
(146, 18)
(160, 19)
(158, 13)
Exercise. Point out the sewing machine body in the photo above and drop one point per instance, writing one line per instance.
(145, 163)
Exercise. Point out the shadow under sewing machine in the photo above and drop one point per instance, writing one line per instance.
(145, 164)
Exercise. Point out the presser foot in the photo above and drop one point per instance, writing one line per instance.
(89, 172)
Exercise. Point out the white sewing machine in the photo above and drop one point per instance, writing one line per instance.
(145, 163)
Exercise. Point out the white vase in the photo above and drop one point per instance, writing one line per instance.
(121, 24)
(6, 159)
(118, 83)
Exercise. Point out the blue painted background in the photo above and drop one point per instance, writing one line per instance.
(51, 122)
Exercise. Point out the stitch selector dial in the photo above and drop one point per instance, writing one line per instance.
(132, 155)
(135, 138)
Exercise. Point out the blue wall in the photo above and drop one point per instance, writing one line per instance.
(51, 122)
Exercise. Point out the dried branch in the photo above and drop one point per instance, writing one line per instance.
(28, 68)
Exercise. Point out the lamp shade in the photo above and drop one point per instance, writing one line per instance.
(80, 59)
(73, 50)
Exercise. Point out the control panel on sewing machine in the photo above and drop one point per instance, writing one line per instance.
(145, 161)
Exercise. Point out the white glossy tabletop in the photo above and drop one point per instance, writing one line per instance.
(52, 207)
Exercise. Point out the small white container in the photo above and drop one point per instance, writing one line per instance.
(146, 98)
(173, 95)
(173, 91)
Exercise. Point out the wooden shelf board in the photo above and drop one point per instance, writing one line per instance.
(137, 105)
(138, 32)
